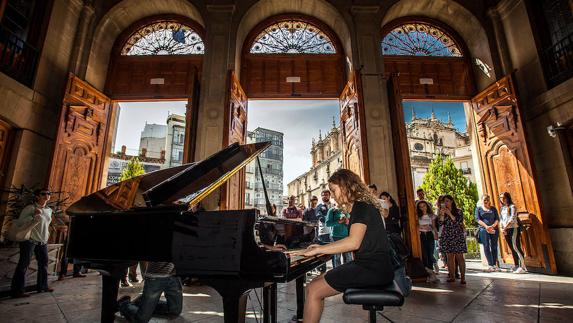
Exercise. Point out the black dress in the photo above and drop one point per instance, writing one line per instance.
(371, 266)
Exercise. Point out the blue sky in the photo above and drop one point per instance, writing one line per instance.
(424, 110)
(132, 118)
(299, 121)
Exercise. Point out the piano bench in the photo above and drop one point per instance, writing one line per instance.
(374, 299)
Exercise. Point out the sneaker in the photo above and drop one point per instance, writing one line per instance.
(520, 271)
(490, 269)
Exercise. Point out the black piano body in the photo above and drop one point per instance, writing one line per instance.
(148, 219)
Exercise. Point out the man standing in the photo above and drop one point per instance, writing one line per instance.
(421, 195)
(292, 212)
(309, 215)
(323, 230)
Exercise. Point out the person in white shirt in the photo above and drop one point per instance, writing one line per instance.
(428, 236)
(37, 244)
(511, 231)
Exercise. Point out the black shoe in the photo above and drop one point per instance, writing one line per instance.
(125, 283)
(133, 279)
(79, 275)
(46, 290)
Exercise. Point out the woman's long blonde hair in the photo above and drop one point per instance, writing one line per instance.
(353, 189)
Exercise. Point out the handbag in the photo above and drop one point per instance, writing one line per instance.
(19, 233)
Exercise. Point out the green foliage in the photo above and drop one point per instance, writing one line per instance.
(134, 168)
(444, 178)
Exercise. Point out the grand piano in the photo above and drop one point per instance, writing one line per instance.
(148, 218)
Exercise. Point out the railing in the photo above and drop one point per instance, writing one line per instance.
(17, 58)
(558, 61)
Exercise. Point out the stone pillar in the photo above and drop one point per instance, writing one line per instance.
(369, 61)
(81, 45)
(500, 41)
(214, 90)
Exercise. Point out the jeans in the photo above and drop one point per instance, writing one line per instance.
(513, 238)
(428, 246)
(322, 240)
(19, 278)
(148, 304)
(489, 242)
(337, 259)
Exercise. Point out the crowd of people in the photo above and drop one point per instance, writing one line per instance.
(354, 223)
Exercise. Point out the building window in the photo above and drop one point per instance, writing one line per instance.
(292, 37)
(164, 38)
(419, 39)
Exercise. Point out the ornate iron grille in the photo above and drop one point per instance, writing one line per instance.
(164, 38)
(419, 39)
(17, 58)
(292, 37)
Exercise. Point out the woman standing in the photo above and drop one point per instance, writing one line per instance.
(39, 212)
(428, 234)
(512, 232)
(453, 240)
(367, 238)
(391, 213)
(488, 219)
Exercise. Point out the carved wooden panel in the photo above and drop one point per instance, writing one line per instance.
(233, 192)
(131, 77)
(451, 78)
(507, 166)
(191, 119)
(5, 138)
(355, 151)
(321, 76)
(403, 170)
(80, 143)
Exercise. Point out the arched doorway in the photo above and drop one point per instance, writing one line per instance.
(435, 65)
(295, 56)
(155, 59)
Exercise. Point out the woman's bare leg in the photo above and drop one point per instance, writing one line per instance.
(462, 263)
(316, 292)
(451, 267)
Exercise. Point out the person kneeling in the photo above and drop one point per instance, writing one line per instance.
(372, 266)
(159, 278)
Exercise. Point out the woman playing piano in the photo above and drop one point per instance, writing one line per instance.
(367, 239)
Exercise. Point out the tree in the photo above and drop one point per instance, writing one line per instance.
(444, 178)
(134, 168)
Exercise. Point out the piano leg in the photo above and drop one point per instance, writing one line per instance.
(234, 307)
(110, 287)
(270, 303)
(300, 296)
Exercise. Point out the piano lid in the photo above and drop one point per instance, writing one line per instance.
(185, 184)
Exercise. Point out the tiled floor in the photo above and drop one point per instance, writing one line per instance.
(495, 297)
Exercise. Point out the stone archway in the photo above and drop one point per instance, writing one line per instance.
(457, 18)
(319, 9)
(120, 17)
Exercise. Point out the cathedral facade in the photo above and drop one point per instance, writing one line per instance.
(65, 65)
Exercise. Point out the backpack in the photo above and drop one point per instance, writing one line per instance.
(398, 255)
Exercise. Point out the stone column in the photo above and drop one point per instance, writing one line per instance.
(370, 66)
(213, 86)
(81, 47)
(500, 41)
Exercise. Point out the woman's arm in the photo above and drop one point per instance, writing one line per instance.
(478, 218)
(350, 243)
(512, 214)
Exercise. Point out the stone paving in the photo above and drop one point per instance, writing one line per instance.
(487, 297)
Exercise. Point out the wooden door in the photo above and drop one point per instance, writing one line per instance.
(507, 166)
(79, 151)
(355, 151)
(191, 118)
(5, 137)
(233, 192)
(403, 170)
